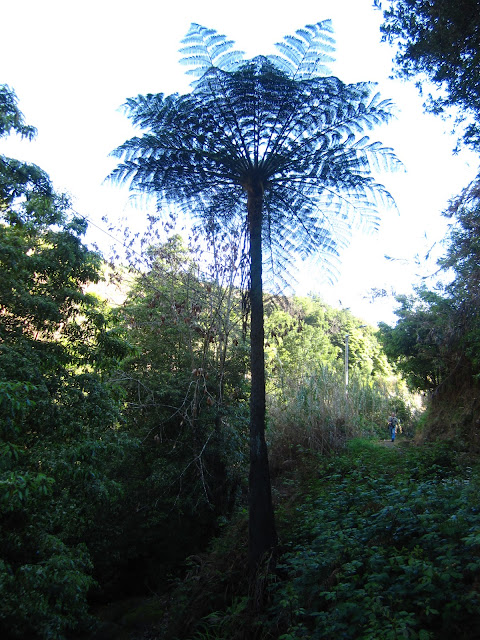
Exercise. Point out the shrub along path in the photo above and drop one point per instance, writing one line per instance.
(385, 546)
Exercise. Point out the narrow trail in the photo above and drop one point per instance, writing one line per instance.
(399, 444)
(387, 443)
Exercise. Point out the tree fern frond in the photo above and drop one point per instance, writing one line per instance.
(307, 54)
(205, 48)
(380, 158)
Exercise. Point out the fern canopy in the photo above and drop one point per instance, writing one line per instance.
(277, 122)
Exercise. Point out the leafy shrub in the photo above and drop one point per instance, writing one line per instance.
(45, 598)
(386, 547)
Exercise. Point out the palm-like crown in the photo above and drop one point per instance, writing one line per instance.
(278, 126)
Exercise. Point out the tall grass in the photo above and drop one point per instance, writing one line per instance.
(318, 413)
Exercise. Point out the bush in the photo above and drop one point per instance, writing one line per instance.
(386, 547)
(47, 598)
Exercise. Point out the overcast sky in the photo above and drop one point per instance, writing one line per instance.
(73, 64)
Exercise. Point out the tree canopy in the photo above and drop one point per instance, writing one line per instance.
(276, 125)
(439, 41)
(12, 119)
(59, 448)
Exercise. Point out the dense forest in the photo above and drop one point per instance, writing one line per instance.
(188, 453)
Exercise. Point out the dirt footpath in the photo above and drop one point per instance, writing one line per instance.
(386, 443)
(398, 444)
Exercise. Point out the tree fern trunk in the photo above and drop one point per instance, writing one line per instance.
(262, 533)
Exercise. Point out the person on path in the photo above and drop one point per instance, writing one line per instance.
(392, 425)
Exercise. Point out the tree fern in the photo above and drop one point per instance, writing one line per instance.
(272, 146)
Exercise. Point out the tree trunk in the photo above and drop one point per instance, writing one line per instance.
(262, 532)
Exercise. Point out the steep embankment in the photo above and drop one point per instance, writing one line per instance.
(454, 413)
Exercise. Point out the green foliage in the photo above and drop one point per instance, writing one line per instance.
(11, 118)
(211, 597)
(297, 340)
(377, 542)
(304, 334)
(383, 548)
(46, 598)
(438, 39)
(307, 403)
(26, 192)
(420, 344)
(185, 399)
(316, 415)
(186, 394)
(62, 452)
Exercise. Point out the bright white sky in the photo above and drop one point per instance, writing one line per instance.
(73, 64)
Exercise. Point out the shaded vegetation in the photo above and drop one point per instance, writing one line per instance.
(438, 41)
(376, 543)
